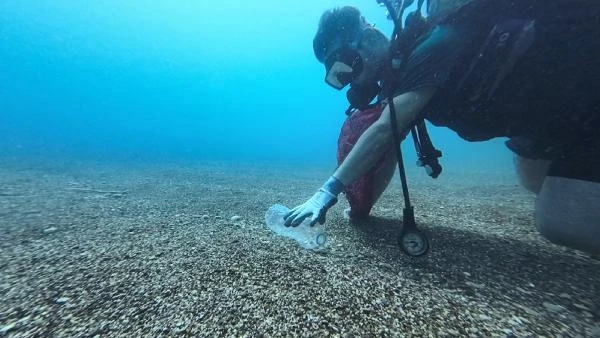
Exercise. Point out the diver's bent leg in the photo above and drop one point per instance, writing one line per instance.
(384, 175)
(531, 172)
(567, 213)
(361, 208)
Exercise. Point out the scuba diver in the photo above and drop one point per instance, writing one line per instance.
(525, 70)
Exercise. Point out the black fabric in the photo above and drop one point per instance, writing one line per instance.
(583, 165)
(532, 148)
(431, 62)
(550, 96)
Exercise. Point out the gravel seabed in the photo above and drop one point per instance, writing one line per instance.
(90, 249)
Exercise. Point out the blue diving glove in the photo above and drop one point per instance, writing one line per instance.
(317, 205)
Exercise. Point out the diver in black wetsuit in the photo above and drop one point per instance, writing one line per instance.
(526, 70)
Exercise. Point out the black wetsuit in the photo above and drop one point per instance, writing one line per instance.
(548, 104)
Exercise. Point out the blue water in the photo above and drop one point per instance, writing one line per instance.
(199, 80)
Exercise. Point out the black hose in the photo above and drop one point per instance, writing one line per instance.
(397, 141)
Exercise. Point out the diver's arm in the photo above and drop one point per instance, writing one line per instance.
(378, 138)
(373, 143)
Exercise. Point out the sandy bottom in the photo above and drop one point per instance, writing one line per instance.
(91, 249)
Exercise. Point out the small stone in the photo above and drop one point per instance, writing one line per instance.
(49, 230)
(466, 274)
(565, 295)
(236, 218)
(581, 306)
(386, 265)
(515, 321)
(7, 328)
(62, 300)
(453, 332)
(475, 285)
(528, 310)
(39, 309)
(484, 317)
(24, 320)
(524, 320)
(552, 307)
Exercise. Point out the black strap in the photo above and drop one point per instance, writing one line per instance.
(408, 213)
(426, 153)
(421, 138)
(403, 44)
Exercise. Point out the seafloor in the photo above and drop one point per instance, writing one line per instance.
(92, 249)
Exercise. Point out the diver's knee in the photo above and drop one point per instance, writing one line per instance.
(555, 232)
(565, 216)
(384, 175)
(531, 173)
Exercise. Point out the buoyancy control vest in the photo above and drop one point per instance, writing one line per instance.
(499, 43)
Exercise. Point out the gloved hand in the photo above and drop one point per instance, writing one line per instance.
(317, 205)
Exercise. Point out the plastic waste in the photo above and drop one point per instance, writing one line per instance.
(313, 238)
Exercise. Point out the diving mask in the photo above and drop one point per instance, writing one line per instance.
(343, 66)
